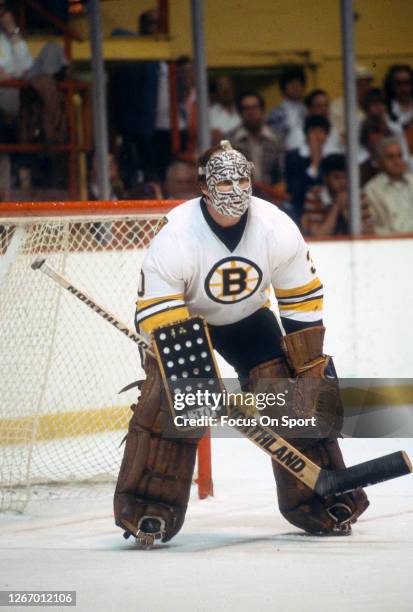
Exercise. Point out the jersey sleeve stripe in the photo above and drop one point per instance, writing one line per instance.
(149, 311)
(169, 315)
(299, 299)
(298, 291)
(313, 304)
(146, 311)
(142, 304)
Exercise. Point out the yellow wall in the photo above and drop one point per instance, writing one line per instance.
(241, 33)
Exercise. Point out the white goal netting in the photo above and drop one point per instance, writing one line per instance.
(62, 366)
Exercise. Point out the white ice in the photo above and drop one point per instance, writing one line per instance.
(235, 551)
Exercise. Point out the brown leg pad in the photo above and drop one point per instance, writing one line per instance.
(304, 508)
(297, 502)
(156, 473)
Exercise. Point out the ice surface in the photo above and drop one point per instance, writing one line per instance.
(235, 551)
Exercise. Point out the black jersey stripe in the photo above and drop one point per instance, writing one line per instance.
(293, 302)
(300, 295)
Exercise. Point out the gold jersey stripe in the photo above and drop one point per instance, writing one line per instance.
(314, 284)
(145, 303)
(169, 315)
(316, 304)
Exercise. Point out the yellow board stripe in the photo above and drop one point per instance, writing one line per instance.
(58, 425)
(169, 315)
(145, 303)
(316, 304)
(380, 396)
(314, 284)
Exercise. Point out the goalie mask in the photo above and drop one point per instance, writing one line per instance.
(228, 178)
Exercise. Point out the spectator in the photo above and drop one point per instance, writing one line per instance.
(15, 61)
(326, 207)
(149, 190)
(42, 117)
(375, 106)
(290, 114)
(223, 113)
(256, 141)
(135, 94)
(187, 98)
(302, 166)
(181, 181)
(117, 190)
(317, 104)
(149, 23)
(142, 111)
(364, 79)
(372, 131)
(102, 231)
(390, 193)
(398, 89)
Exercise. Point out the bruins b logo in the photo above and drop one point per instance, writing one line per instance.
(232, 279)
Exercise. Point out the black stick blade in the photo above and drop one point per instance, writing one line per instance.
(364, 474)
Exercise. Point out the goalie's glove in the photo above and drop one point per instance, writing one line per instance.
(315, 390)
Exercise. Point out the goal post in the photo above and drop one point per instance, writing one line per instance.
(61, 416)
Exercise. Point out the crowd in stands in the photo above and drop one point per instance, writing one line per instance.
(31, 114)
(298, 147)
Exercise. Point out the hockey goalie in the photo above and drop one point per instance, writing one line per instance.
(218, 256)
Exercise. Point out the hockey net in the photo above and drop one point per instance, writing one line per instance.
(61, 418)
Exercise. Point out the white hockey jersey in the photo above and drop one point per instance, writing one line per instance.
(188, 270)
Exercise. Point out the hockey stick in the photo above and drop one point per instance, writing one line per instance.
(40, 264)
(324, 482)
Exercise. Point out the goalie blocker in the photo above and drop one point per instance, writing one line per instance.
(186, 359)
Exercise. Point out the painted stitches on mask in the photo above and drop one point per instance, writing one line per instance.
(228, 178)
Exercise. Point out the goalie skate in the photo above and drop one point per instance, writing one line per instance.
(150, 529)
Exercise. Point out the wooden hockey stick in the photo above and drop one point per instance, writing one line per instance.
(40, 264)
(324, 482)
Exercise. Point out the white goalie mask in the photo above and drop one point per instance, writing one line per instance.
(228, 178)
